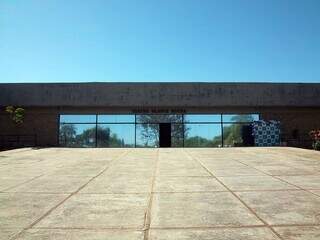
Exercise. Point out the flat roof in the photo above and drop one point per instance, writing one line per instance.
(161, 94)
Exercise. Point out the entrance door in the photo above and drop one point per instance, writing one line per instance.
(165, 135)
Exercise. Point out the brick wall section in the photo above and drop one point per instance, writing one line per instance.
(42, 122)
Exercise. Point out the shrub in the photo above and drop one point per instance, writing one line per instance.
(316, 145)
(315, 135)
(16, 114)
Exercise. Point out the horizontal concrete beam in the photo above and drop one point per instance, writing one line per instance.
(161, 94)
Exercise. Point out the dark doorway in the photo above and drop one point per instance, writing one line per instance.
(247, 137)
(165, 134)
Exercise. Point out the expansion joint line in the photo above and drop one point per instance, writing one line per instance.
(234, 194)
(69, 196)
(147, 219)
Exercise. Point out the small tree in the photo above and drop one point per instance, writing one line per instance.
(16, 114)
(67, 134)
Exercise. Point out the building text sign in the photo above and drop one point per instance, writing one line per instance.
(158, 110)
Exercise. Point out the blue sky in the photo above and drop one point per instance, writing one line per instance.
(159, 40)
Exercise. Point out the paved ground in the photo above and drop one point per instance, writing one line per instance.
(160, 194)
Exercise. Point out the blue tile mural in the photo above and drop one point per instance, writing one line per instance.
(266, 133)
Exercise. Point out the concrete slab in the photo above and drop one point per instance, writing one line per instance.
(129, 170)
(99, 211)
(6, 234)
(317, 192)
(199, 210)
(216, 234)
(80, 234)
(255, 183)
(165, 193)
(22, 171)
(52, 184)
(187, 184)
(284, 207)
(83, 169)
(305, 181)
(278, 170)
(10, 182)
(222, 171)
(182, 171)
(119, 184)
(299, 233)
(221, 163)
(18, 210)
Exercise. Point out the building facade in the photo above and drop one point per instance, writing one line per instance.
(156, 114)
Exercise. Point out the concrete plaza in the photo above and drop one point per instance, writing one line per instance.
(160, 194)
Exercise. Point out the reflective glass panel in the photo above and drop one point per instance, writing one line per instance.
(147, 135)
(77, 135)
(115, 135)
(77, 118)
(236, 135)
(203, 135)
(240, 117)
(159, 118)
(177, 135)
(202, 118)
(116, 118)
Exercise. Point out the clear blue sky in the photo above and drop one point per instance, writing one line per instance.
(159, 40)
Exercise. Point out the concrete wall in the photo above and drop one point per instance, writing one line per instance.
(297, 106)
(161, 94)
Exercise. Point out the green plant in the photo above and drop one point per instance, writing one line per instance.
(16, 114)
(315, 135)
(316, 145)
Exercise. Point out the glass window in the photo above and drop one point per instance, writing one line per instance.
(77, 135)
(120, 130)
(236, 135)
(202, 118)
(159, 118)
(116, 118)
(147, 135)
(115, 135)
(177, 131)
(240, 117)
(203, 135)
(77, 118)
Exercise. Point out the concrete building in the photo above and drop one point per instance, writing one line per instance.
(155, 114)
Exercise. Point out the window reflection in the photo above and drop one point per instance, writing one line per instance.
(203, 135)
(116, 118)
(115, 135)
(77, 135)
(142, 130)
(236, 135)
(206, 118)
(240, 117)
(77, 118)
(147, 135)
(159, 118)
(177, 132)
